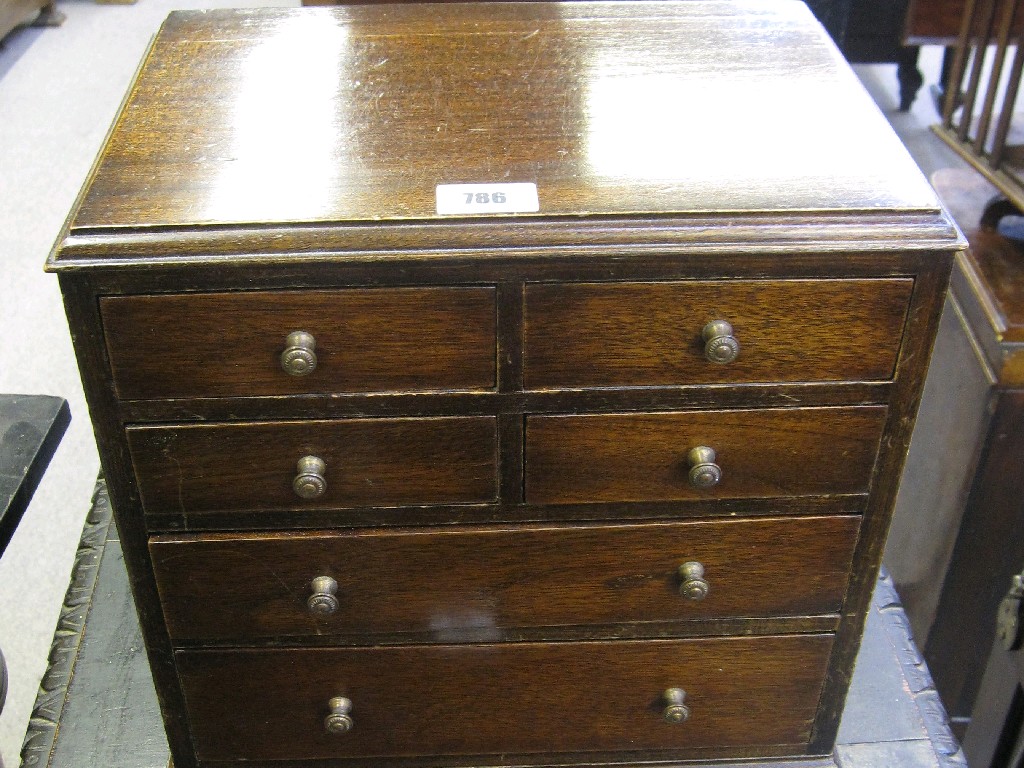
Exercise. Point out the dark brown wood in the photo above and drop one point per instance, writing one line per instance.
(508, 512)
(471, 584)
(391, 132)
(991, 270)
(988, 551)
(222, 201)
(995, 738)
(412, 339)
(939, 21)
(649, 334)
(941, 463)
(504, 699)
(952, 593)
(926, 307)
(374, 462)
(643, 457)
(82, 307)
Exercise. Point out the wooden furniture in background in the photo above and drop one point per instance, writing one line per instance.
(954, 542)
(617, 417)
(875, 35)
(996, 736)
(978, 111)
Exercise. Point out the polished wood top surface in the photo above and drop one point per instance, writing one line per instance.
(611, 108)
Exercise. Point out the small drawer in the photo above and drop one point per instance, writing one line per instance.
(503, 700)
(658, 457)
(472, 584)
(653, 334)
(358, 340)
(295, 465)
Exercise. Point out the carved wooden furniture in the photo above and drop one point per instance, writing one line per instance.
(96, 705)
(603, 475)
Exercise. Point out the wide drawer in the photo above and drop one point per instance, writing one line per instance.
(651, 334)
(648, 456)
(474, 584)
(364, 340)
(503, 699)
(364, 462)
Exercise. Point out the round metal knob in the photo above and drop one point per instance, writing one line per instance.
(675, 710)
(339, 720)
(694, 586)
(720, 346)
(309, 482)
(323, 601)
(704, 473)
(299, 356)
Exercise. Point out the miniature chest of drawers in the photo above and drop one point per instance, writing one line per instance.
(600, 476)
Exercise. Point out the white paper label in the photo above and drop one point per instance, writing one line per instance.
(518, 197)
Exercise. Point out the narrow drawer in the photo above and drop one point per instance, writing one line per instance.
(650, 456)
(363, 340)
(503, 699)
(651, 334)
(268, 466)
(472, 584)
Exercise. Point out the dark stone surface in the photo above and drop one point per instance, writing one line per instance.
(31, 427)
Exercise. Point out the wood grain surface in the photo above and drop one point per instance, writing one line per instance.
(491, 699)
(272, 167)
(251, 466)
(643, 456)
(230, 344)
(472, 583)
(649, 334)
(569, 96)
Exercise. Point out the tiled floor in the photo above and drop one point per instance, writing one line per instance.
(59, 89)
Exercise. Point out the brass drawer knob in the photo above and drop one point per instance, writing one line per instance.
(299, 356)
(323, 601)
(339, 720)
(704, 473)
(309, 482)
(693, 585)
(675, 710)
(720, 346)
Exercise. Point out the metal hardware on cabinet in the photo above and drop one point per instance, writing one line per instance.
(694, 586)
(339, 720)
(720, 346)
(1008, 617)
(704, 473)
(323, 601)
(299, 356)
(675, 710)
(309, 482)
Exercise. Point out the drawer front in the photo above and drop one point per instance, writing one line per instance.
(465, 585)
(647, 456)
(650, 334)
(364, 340)
(503, 699)
(366, 462)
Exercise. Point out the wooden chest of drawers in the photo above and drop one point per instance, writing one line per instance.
(602, 478)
